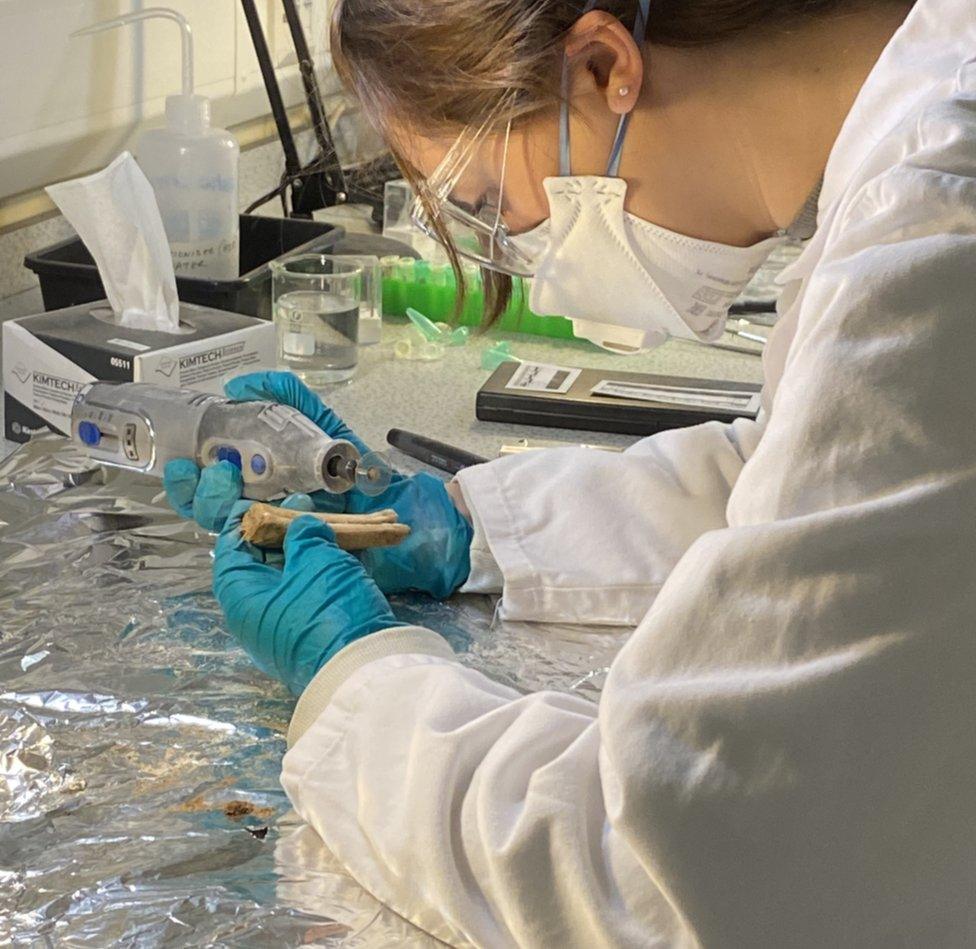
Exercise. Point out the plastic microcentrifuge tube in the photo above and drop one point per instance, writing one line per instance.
(424, 326)
(415, 348)
(438, 332)
(500, 353)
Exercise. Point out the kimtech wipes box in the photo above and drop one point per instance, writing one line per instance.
(48, 358)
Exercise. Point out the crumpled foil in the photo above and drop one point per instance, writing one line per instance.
(139, 747)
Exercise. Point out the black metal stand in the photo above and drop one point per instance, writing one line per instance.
(322, 183)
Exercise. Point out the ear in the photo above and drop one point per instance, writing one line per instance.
(603, 55)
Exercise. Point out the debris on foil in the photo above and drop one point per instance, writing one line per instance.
(140, 749)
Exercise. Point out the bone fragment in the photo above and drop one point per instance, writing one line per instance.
(265, 525)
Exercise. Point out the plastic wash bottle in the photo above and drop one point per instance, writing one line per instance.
(193, 168)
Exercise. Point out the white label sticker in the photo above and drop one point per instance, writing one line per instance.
(685, 396)
(138, 347)
(541, 377)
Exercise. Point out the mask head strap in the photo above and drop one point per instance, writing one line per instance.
(613, 166)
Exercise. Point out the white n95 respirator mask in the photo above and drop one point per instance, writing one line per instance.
(626, 283)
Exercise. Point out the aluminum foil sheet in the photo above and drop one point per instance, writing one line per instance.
(140, 749)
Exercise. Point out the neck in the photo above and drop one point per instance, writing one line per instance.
(738, 135)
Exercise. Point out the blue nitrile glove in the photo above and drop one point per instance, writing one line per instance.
(208, 496)
(292, 619)
(205, 496)
(435, 557)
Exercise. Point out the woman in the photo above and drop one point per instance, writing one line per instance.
(783, 753)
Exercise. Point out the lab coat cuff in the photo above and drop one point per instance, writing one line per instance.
(401, 640)
(485, 576)
(496, 554)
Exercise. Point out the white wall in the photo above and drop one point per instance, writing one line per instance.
(68, 106)
(261, 170)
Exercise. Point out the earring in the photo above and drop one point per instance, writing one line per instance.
(624, 91)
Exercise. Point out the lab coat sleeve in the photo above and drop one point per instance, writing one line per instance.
(551, 534)
(454, 816)
(784, 753)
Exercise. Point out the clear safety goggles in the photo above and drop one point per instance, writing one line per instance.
(479, 233)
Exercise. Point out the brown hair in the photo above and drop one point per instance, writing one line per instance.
(448, 65)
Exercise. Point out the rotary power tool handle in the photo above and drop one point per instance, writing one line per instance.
(277, 449)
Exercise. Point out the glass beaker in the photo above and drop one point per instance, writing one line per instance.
(317, 300)
(371, 312)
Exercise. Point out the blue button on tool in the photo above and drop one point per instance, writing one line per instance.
(226, 453)
(258, 465)
(89, 433)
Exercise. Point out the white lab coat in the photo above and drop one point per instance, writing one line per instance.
(784, 753)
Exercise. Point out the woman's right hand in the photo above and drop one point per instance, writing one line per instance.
(433, 559)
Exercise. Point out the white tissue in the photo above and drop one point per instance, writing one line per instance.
(114, 212)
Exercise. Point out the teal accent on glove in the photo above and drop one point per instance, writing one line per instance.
(293, 618)
(208, 496)
(180, 480)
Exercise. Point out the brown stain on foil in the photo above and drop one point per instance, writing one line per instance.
(233, 810)
(236, 810)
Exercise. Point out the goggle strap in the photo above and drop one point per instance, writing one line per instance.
(501, 188)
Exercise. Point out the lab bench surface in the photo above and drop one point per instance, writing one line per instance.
(437, 399)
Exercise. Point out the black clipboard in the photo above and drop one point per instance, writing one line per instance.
(559, 397)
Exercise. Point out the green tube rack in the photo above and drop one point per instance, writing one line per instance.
(432, 289)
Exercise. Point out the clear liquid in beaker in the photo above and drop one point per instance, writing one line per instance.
(318, 336)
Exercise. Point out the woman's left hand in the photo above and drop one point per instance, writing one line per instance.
(293, 618)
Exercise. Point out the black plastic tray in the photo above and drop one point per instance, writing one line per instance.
(68, 275)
